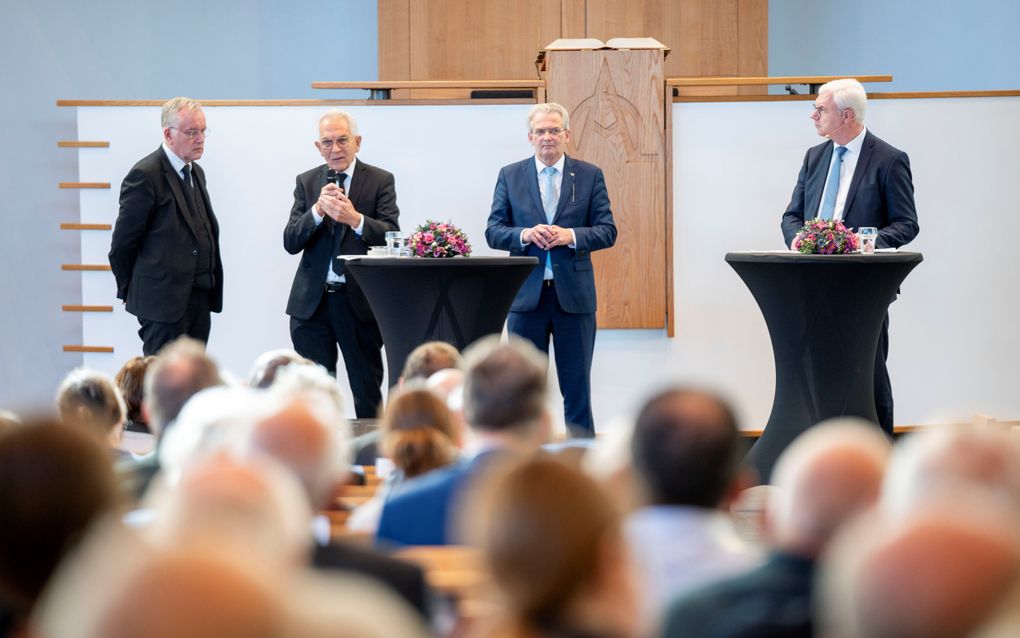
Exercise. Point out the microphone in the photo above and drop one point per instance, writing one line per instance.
(334, 177)
(829, 135)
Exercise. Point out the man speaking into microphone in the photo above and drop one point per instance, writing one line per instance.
(861, 180)
(340, 208)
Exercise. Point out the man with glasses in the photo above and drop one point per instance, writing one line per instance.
(340, 208)
(555, 208)
(165, 252)
(861, 180)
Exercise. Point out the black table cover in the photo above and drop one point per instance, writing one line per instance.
(824, 314)
(455, 300)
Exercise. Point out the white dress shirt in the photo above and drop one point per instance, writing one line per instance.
(846, 174)
(332, 277)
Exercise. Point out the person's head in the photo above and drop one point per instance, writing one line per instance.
(946, 569)
(131, 381)
(824, 477)
(181, 369)
(338, 139)
(55, 482)
(418, 433)
(263, 372)
(839, 110)
(940, 463)
(90, 400)
(305, 433)
(549, 131)
(429, 358)
(184, 129)
(505, 387)
(686, 449)
(552, 540)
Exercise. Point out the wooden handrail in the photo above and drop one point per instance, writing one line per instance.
(80, 144)
(102, 349)
(86, 267)
(69, 226)
(719, 80)
(84, 184)
(432, 84)
(74, 308)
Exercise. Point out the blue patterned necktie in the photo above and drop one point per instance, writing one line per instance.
(832, 188)
(549, 199)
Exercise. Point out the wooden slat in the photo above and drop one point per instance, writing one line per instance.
(100, 349)
(85, 267)
(69, 226)
(214, 103)
(745, 81)
(871, 96)
(80, 144)
(432, 84)
(394, 39)
(84, 184)
(74, 308)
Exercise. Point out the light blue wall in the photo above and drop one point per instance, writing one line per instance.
(935, 45)
(128, 49)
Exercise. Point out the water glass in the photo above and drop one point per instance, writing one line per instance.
(394, 240)
(866, 238)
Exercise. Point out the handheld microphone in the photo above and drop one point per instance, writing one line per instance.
(334, 177)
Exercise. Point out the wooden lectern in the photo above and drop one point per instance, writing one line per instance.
(619, 121)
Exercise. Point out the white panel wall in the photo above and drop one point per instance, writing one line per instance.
(953, 346)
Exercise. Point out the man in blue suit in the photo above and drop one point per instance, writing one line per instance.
(863, 181)
(555, 208)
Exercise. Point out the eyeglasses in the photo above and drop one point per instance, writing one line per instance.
(193, 133)
(542, 132)
(340, 141)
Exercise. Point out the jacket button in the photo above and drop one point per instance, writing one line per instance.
(194, 252)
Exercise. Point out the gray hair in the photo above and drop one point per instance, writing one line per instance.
(90, 398)
(173, 108)
(339, 114)
(549, 107)
(848, 94)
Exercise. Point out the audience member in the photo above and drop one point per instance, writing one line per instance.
(55, 482)
(300, 433)
(827, 475)
(180, 370)
(947, 569)
(686, 450)
(504, 403)
(89, 400)
(130, 380)
(553, 543)
(8, 421)
(428, 359)
(418, 436)
(263, 373)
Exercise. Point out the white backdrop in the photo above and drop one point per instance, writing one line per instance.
(953, 345)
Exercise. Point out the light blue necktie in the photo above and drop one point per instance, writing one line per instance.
(832, 185)
(549, 200)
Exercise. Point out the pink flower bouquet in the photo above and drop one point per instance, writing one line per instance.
(438, 239)
(825, 237)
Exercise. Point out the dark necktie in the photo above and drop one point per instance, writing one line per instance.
(339, 230)
(189, 189)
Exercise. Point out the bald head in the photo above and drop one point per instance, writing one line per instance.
(827, 475)
(196, 593)
(939, 572)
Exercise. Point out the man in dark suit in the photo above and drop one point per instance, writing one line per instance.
(863, 181)
(341, 207)
(504, 403)
(555, 208)
(165, 252)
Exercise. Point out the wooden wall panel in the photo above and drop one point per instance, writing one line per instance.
(616, 104)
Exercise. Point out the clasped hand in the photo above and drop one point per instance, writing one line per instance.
(547, 236)
(334, 203)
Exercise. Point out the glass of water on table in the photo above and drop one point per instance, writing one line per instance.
(394, 242)
(866, 238)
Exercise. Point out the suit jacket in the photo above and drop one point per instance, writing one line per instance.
(583, 206)
(374, 195)
(881, 193)
(154, 251)
(402, 578)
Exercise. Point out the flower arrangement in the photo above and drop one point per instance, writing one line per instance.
(825, 237)
(438, 239)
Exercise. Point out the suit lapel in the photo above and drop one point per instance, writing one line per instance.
(867, 150)
(566, 187)
(816, 183)
(530, 176)
(200, 190)
(175, 186)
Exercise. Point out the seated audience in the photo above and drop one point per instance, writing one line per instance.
(949, 568)
(55, 482)
(686, 449)
(827, 475)
(505, 389)
(181, 369)
(553, 543)
(263, 373)
(90, 400)
(130, 380)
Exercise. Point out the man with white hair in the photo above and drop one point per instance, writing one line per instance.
(340, 207)
(829, 474)
(856, 178)
(165, 251)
